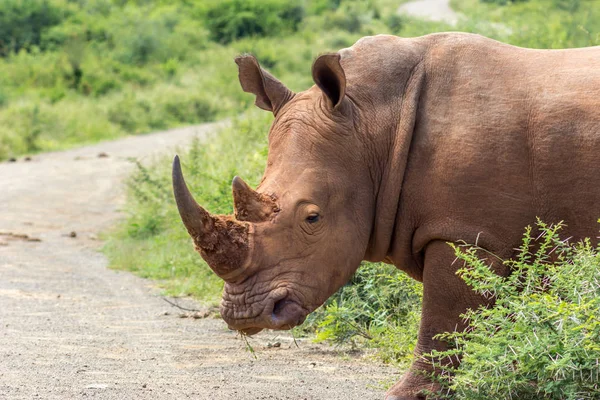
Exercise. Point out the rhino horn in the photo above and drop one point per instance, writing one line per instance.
(195, 218)
(223, 242)
(250, 205)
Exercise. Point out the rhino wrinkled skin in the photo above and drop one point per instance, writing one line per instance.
(403, 145)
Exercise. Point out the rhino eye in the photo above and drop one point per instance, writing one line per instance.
(312, 218)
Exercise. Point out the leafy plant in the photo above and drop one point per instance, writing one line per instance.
(380, 308)
(353, 16)
(22, 22)
(541, 339)
(502, 2)
(3, 99)
(229, 20)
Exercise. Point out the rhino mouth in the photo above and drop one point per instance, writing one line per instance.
(279, 311)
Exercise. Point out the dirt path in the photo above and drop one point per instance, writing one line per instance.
(72, 329)
(435, 10)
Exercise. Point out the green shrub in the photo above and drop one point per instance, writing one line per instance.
(139, 38)
(379, 308)
(34, 122)
(541, 339)
(22, 22)
(141, 46)
(316, 7)
(395, 22)
(229, 20)
(535, 23)
(83, 27)
(163, 107)
(567, 5)
(502, 2)
(34, 70)
(352, 16)
(3, 100)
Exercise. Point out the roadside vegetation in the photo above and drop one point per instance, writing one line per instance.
(541, 340)
(539, 24)
(80, 71)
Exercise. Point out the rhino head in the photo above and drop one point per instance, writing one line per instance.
(302, 233)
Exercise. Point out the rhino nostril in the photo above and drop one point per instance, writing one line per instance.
(287, 314)
(279, 306)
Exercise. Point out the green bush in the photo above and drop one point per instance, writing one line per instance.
(316, 7)
(535, 23)
(164, 107)
(229, 20)
(352, 16)
(395, 22)
(3, 100)
(34, 122)
(541, 339)
(379, 308)
(22, 22)
(502, 2)
(144, 44)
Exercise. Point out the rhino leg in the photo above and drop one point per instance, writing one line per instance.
(445, 297)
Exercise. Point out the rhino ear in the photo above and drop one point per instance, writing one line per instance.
(329, 76)
(271, 94)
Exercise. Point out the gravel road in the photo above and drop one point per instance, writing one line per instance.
(72, 329)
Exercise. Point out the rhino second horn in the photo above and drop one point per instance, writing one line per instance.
(195, 218)
(250, 205)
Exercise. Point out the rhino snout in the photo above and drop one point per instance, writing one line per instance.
(277, 310)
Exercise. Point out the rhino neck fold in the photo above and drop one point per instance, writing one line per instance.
(397, 136)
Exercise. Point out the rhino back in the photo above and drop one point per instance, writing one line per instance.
(503, 135)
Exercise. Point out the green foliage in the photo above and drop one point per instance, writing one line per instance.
(98, 69)
(395, 22)
(502, 2)
(168, 106)
(319, 6)
(380, 308)
(27, 135)
(352, 16)
(3, 98)
(541, 339)
(22, 22)
(112, 68)
(539, 24)
(229, 20)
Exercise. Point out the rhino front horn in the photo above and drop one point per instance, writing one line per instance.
(195, 218)
(223, 242)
